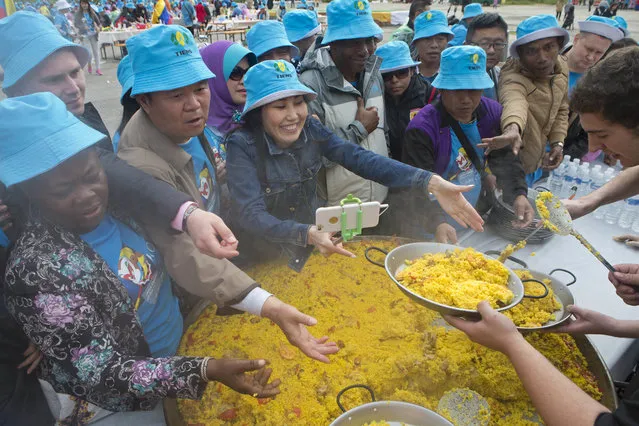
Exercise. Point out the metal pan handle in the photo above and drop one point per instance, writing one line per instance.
(374, 262)
(574, 278)
(339, 395)
(538, 282)
(511, 258)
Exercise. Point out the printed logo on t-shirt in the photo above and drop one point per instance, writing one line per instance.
(134, 267)
(205, 183)
(462, 160)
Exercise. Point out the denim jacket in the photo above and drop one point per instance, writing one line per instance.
(282, 207)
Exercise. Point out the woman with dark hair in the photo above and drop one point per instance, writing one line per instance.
(88, 24)
(275, 164)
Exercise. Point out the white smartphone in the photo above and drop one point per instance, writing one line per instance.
(329, 219)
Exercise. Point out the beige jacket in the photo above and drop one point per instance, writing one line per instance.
(143, 146)
(538, 107)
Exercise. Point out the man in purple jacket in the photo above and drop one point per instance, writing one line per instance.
(445, 137)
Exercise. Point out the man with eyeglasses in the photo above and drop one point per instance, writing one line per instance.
(490, 32)
(350, 101)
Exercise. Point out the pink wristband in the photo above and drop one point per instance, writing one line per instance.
(176, 223)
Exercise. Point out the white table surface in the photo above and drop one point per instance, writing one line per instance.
(592, 290)
(113, 36)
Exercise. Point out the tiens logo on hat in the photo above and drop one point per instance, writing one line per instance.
(474, 60)
(429, 16)
(280, 66)
(361, 7)
(180, 39)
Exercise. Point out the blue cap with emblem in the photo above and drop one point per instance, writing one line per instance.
(431, 23)
(270, 81)
(350, 19)
(268, 35)
(463, 68)
(165, 57)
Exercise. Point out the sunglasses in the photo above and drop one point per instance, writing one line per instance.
(403, 73)
(238, 73)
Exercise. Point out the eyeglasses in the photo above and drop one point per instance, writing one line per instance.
(403, 73)
(238, 73)
(497, 45)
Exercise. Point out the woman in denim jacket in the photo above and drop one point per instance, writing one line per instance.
(275, 165)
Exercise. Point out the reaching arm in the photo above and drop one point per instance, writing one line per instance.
(249, 205)
(556, 398)
(623, 186)
(512, 96)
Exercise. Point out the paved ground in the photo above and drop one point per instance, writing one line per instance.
(104, 91)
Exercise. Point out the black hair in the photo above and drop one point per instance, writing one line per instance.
(620, 44)
(611, 88)
(486, 20)
(129, 107)
(416, 4)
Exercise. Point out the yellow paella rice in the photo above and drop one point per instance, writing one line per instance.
(510, 249)
(387, 342)
(533, 312)
(460, 278)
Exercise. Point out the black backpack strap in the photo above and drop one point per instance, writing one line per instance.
(208, 151)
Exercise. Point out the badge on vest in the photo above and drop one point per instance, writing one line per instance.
(413, 112)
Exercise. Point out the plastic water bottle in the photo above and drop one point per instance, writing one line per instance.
(635, 226)
(601, 212)
(583, 180)
(629, 212)
(569, 179)
(557, 177)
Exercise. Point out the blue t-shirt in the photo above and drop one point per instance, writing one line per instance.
(460, 169)
(116, 141)
(203, 170)
(139, 266)
(90, 27)
(429, 79)
(573, 78)
(4, 240)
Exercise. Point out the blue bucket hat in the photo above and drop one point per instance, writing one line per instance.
(55, 135)
(350, 19)
(463, 68)
(395, 56)
(27, 39)
(270, 81)
(165, 57)
(604, 27)
(125, 76)
(301, 24)
(472, 10)
(268, 35)
(535, 28)
(459, 36)
(130, 5)
(623, 25)
(431, 23)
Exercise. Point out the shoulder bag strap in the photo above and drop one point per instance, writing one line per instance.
(468, 147)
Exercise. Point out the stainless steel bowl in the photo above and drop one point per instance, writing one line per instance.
(396, 261)
(562, 293)
(394, 412)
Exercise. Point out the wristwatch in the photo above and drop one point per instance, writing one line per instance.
(554, 144)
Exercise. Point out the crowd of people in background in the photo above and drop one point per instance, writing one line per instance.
(108, 242)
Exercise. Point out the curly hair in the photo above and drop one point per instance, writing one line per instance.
(611, 88)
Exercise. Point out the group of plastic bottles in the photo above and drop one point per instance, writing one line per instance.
(573, 176)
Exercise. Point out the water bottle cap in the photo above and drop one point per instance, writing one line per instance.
(597, 167)
(577, 161)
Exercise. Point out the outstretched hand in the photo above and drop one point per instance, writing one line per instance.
(586, 322)
(293, 324)
(233, 373)
(452, 201)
